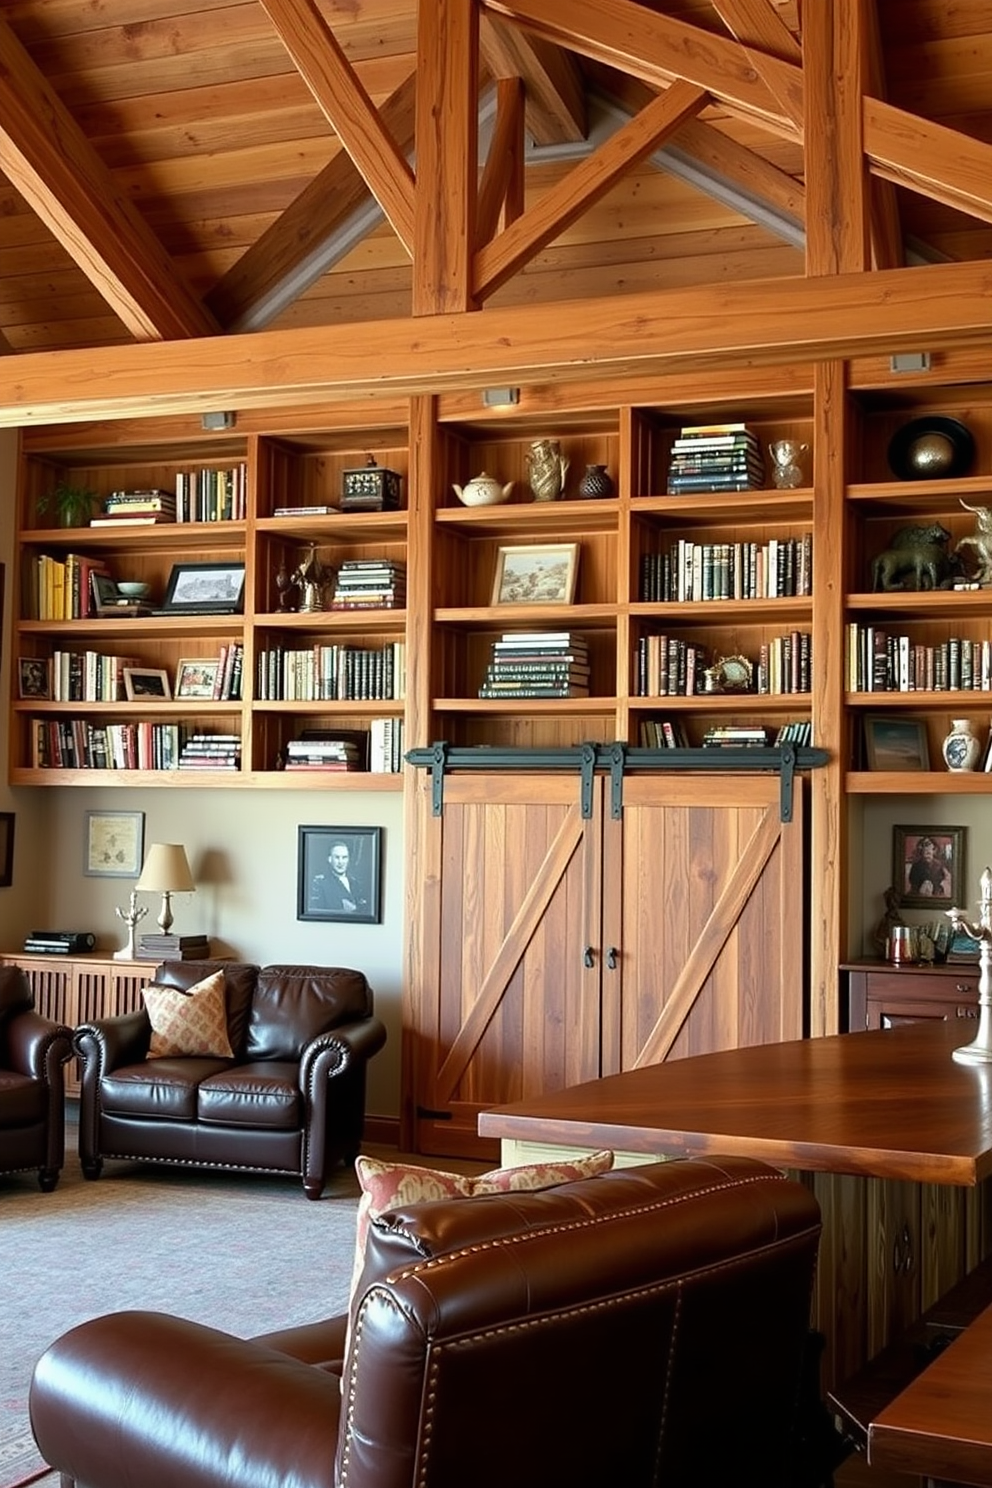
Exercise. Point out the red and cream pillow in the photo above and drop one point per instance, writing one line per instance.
(387, 1186)
(189, 1022)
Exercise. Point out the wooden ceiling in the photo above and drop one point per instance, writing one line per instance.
(177, 169)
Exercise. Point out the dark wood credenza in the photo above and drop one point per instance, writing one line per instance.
(880, 995)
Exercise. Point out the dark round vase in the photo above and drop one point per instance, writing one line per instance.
(596, 482)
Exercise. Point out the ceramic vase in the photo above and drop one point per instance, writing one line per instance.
(596, 482)
(962, 747)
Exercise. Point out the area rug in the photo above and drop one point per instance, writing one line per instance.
(242, 1253)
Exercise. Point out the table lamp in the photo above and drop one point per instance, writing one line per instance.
(166, 871)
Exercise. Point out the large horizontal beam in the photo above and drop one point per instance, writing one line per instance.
(761, 323)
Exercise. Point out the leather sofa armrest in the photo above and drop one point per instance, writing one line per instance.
(348, 1045)
(38, 1047)
(175, 1401)
(111, 1042)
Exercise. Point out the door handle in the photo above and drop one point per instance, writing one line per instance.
(588, 960)
(613, 958)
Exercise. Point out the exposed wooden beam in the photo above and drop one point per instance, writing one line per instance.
(887, 248)
(296, 249)
(501, 189)
(837, 215)
(659, 50)
(555, 95)
(447, 156)
(584, 184)
(759, 28)
(52, 165)
(761, 323)
(942, 163)
(348, 108)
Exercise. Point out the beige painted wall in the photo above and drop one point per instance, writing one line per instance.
(242, 848)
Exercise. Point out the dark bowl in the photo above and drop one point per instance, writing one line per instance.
(933, 448)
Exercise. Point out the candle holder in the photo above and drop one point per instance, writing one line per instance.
(979, 1051)
(131, 916)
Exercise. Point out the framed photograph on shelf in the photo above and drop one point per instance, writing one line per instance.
(205, 589)
(113, 844)
(928, 866)
(146, 682)
(34, 678)
(895, 743)
(196, 676)
(536, 573)
(339, 874)
(6, 849)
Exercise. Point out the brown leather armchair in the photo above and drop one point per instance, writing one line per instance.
(645, 1327)
(33, 1053)
(291, 1100)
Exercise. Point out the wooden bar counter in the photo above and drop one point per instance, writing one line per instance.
(896, 1138)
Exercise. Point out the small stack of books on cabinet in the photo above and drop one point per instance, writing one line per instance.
(211, 752)
(370, 584)
(715, 457)
(139, 508)
(162, 947)
(535, 664)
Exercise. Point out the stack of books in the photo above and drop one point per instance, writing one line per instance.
(535, 664)
(123, 508)
(162, 947)
(385, 746)
(211, 752)
(737, 736)
(317, 749)
(715, 457)
(370, 584)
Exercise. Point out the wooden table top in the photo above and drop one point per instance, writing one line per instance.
(890, 1103)
(940, 1425)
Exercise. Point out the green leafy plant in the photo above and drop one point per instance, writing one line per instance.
(71, 505)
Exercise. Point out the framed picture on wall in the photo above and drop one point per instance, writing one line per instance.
(339, 874)
(928, 866)
(113, 844)
(896, 743)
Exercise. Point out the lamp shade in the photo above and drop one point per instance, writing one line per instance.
(166, 869)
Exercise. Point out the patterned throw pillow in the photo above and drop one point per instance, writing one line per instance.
(190, 1022)
(387, 1186)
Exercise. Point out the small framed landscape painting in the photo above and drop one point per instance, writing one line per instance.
(536, 574)
(146, 682)
(894, 743)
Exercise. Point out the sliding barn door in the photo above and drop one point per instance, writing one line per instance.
(704, 905)
(512, 902)
(552, 947)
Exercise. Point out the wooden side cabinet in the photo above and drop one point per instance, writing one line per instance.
(882, 996)
(77, 989)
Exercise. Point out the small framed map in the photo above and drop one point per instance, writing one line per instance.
(113, 844)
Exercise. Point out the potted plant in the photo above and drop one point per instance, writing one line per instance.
(72, 505)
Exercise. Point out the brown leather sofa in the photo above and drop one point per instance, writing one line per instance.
(645, 1327)
(33, 1053)
(291, 1100)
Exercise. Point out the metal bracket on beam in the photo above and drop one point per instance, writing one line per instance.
(439, 760)
(618, 764)
(787, 770)
(587, 765)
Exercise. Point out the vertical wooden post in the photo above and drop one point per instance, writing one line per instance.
(837, 210)
(447, 155)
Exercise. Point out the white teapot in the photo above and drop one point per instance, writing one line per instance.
(483, 490)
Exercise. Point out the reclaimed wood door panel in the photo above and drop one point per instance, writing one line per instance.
(707, 915)
(518, 904)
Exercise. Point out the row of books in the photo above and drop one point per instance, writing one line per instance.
(78, 744)
(369, 584)
(881, 661)
(60, 588)
(228, 676)
(532, 664)
(670, 733)
(668, 666)
(378, 750)
(779, 568)
(327, 673)
(715, 457)
(212, 495)
(86, 677)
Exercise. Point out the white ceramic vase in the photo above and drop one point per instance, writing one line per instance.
(962, 747)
